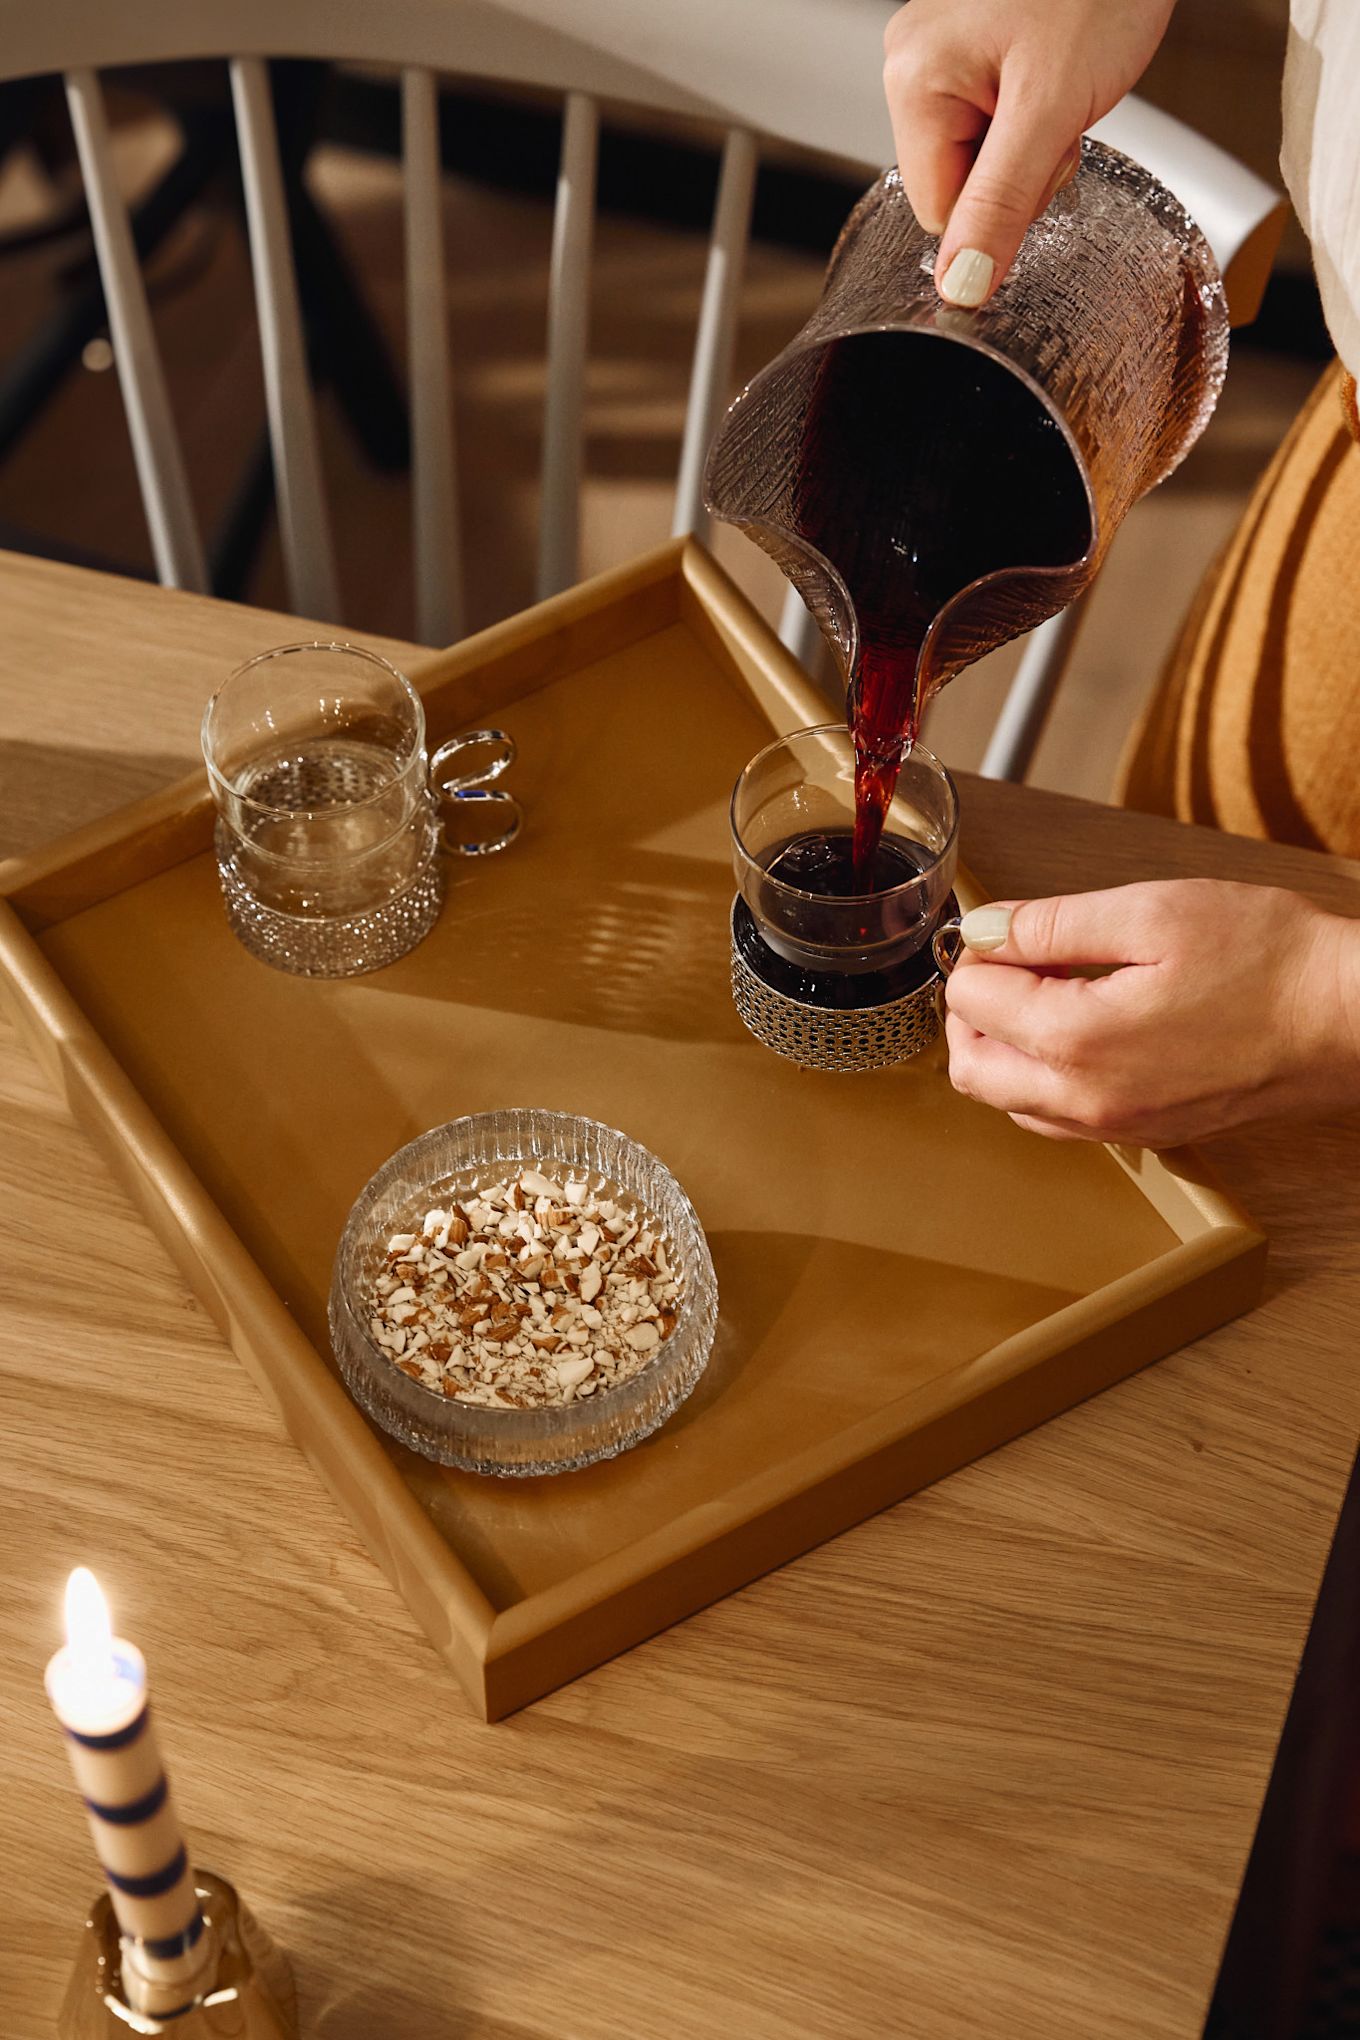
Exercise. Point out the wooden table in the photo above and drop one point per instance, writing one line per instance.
(989, 1764)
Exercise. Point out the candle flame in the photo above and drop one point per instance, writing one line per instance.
(89, 1632)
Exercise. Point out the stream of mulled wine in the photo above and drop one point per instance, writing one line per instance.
(924, 465)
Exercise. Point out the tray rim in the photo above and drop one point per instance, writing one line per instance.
(493, 1650)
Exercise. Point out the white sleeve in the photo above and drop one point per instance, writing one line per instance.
(1320, 158)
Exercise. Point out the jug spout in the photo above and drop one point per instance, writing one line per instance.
(952, 478)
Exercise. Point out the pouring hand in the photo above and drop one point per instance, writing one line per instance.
(989, 99)
(1225, 1004)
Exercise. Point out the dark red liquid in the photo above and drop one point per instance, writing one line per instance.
(822, 862)
(924, 465)
(823, 866)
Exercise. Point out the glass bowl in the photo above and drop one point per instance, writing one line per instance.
(447, 1163)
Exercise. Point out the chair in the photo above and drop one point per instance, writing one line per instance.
(793, 71)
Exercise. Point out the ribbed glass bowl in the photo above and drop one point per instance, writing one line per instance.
(449, 1162)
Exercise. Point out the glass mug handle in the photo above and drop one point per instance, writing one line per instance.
(457, 792)
(946, 945)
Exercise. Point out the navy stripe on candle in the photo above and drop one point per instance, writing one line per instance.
(156, 1882)
(119, 1739)
(133, 1811)
(175, 1944)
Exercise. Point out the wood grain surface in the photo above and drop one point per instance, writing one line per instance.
(990, 1763)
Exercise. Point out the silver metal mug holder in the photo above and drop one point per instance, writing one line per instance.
(844, 1038)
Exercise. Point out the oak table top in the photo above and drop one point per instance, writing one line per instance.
(990, 1763)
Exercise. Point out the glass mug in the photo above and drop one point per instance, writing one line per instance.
(330, 818)
(831, 977)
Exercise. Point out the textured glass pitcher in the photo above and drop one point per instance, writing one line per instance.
(1112, 319)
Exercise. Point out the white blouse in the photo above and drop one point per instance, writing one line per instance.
(1320, 158)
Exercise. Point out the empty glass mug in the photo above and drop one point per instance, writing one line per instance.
(829, 975)
(330, 819)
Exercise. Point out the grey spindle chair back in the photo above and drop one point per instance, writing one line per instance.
(308, 552)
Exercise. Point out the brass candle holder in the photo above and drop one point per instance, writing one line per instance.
(242, 1985)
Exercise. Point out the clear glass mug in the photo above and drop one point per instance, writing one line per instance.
(330, 818)
(830, 977)
(792, 816)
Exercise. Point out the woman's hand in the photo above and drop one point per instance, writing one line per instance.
(1225, 1004)
(989, 99)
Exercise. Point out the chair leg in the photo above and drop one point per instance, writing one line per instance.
(344, 344)
(235, 545)
(346, 349)
(1020, 724)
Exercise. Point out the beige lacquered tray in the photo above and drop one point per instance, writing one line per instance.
(906, 1280)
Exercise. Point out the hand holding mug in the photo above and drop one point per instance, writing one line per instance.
(1217, 1004)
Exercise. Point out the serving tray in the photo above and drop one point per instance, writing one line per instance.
(906, 1280)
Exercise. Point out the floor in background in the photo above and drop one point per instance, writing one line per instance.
(71, 478)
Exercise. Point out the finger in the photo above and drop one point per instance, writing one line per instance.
(1149, 1138)
(1121, 926)
(936, 137)
(1047, 1017)
(939, 103)
(1053, 1129)
(1029, 137)
(996, 1074)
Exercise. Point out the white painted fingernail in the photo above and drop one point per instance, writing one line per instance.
(986, 928)
(968, 277)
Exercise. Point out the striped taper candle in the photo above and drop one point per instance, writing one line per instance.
(97, 1686)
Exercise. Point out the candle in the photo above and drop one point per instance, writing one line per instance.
(97, 1686)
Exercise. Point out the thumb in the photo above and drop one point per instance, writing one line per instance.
(1024, 156)
(1114, 927)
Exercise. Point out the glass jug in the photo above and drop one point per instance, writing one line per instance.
(1087, 378)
